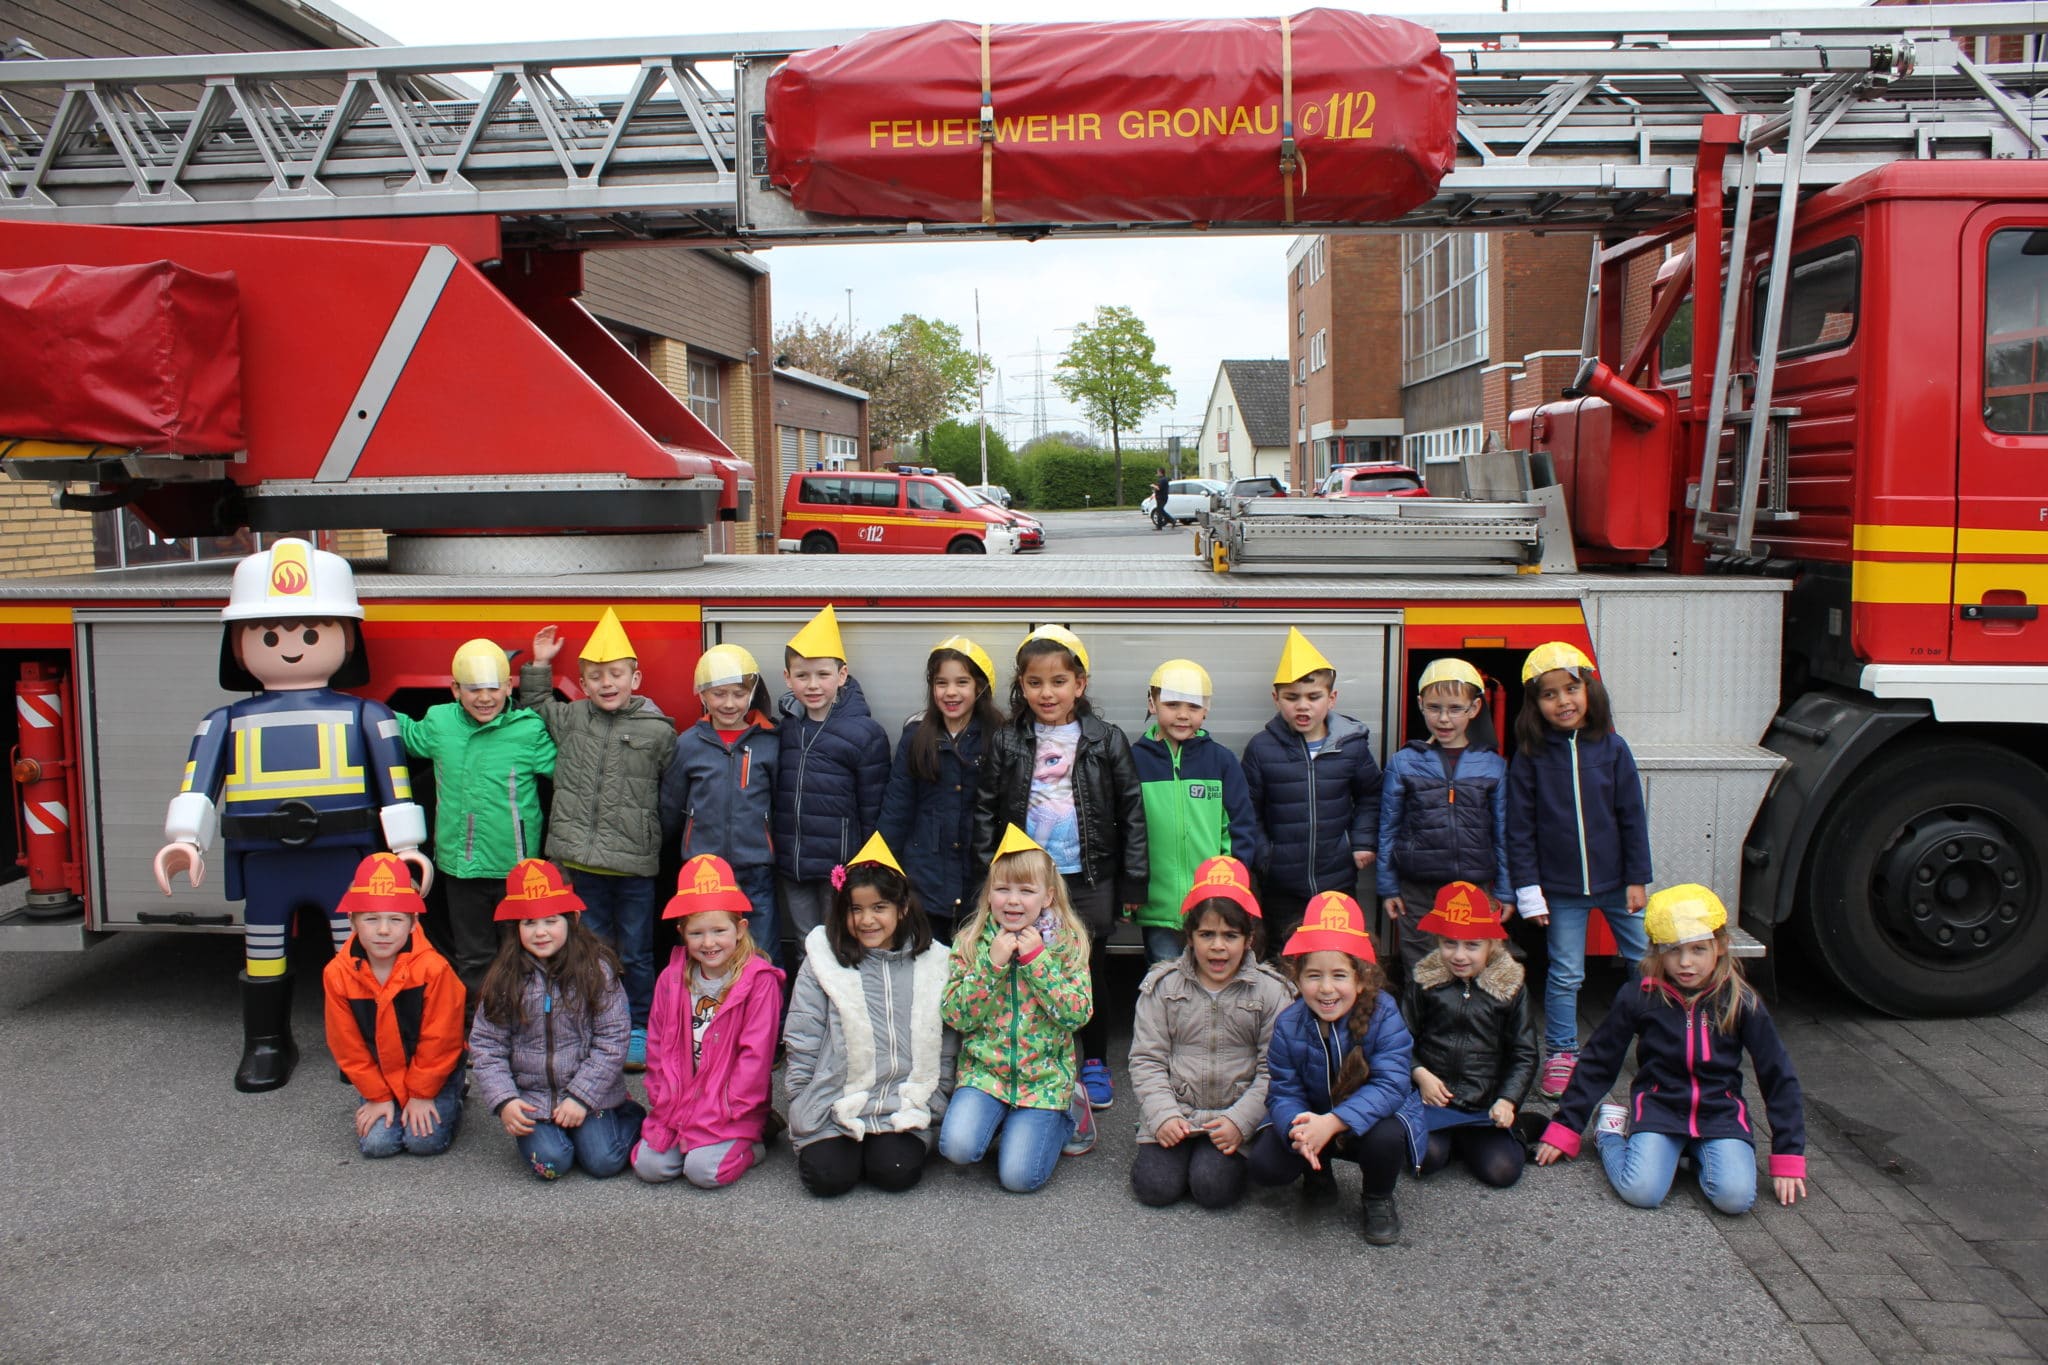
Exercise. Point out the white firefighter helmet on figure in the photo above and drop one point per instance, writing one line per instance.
(292, 581)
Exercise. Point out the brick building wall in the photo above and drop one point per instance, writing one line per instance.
(36, 538)
(1537, 285)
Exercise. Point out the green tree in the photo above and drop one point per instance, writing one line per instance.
(1110, 370)
(914, 371)
(956, 448)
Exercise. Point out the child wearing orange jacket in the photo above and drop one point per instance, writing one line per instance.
(394, 1017)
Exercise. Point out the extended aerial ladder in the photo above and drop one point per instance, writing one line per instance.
(1564, 123)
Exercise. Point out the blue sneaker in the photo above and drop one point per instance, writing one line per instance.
(636, 1051)
(1096, 1080)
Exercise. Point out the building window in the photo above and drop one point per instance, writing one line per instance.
(1301, 423)
(120, 540)
(1442, 446)
(841, 451)
(1319, 349)
(1317, 264)
(1443, 303)
(704, 393)
(1301, 370)
(1301, 322)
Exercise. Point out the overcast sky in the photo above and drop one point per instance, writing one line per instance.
(1203, 301)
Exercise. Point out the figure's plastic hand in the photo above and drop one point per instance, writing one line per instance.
(1226, 1136)
(422, 867)
(570, 1113)
(370, 1112)
(1434, 1092)
(1170, 1133)
(547, 643)
(172, 856)
(516, 1118)
(420, 1117)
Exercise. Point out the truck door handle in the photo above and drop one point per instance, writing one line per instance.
(1999, 611)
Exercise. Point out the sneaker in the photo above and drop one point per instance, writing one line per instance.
(1382, 1222)
(1096, 1080)
(636, 1051)
(1083, 1140)
(1557, 1073)
(1613, 1119)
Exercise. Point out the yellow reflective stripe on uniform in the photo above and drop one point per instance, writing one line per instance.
(332, 773)
(190, 768)
(401, 784)
(286, 791)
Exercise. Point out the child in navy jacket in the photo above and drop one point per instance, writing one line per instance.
(1443, 807)
(1577, 834)
(1692, 1017)
(928, 809)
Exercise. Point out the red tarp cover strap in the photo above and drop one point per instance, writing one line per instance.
(146, 356)
(1330, 116)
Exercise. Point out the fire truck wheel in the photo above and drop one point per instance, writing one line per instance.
(966, 545)
(1926, 881)
(818, 543)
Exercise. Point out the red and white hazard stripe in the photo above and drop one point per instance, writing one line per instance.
(39, 710)
(46, 817)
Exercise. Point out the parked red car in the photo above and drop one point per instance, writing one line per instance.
(1373, 481)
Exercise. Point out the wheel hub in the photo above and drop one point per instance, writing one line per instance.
(1953, 881)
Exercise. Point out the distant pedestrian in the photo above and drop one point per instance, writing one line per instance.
(1691, 1016)
(1162, 489)
(1578, 837)
(549, 1041)
(870, 1060)
(1198, 1047)
(710, 1037)
(1475, 1040)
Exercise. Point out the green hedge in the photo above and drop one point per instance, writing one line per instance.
(1059, 476)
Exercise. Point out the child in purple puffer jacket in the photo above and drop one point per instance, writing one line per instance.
(548, 1047)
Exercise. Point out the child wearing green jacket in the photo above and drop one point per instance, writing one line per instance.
(1197, 803)
(486, 799)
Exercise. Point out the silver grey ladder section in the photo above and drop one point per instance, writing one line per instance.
(1570, 121)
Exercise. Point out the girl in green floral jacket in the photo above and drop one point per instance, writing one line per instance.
(1017, 990)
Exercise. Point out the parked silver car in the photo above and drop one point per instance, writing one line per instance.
(1185, 499)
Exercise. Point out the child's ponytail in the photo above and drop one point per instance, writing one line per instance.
(1354, 1071)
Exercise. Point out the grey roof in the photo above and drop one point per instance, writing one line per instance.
(1261, 389)
(819, 381)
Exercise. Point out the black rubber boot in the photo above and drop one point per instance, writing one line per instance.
(1382, 1221)
(268, 1052)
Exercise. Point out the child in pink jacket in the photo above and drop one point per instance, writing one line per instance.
(710, 1038)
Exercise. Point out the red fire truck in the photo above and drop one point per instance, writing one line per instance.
(1795, 515)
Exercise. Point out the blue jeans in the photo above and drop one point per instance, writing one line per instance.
(1031, 1144)
(1161, 945)
(1567, 938)
(600, 1144)
(1641, 1167)
(620, 910)
(764, 925)
(389, 1139)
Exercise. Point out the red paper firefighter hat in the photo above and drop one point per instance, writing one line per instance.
(1465, 912)
(382, 884)
(535, 889)
(1222, 879)
(1332, 923)
(706, 883)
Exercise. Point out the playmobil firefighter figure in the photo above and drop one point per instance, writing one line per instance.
(298, 778)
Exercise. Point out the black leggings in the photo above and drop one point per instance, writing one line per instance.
(1494, 1155)
(891, 1161)
(1096, 907)
(1381, 1153)
(1192, 1166)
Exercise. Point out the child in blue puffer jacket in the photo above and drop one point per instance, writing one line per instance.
(718, 796)
(1443, 808)
(1577, 834)
(928, 810)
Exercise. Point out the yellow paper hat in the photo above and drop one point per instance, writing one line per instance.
(876, 850)
(1450, 670)
(481, 663)
(1557, 654)
(1062, 637)
(1686, 913)
(1183, 680)
(722, 664)
(1016, 840)
(962, 645)
(608, 643)
(819, 639)
(1298, 659)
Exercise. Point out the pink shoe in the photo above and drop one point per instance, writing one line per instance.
(1557, 1073)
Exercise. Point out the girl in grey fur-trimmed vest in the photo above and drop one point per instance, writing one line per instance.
(870, 1065)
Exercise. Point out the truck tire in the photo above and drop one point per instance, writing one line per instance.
(1926, 879)
(818, 543)
(966, 545)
